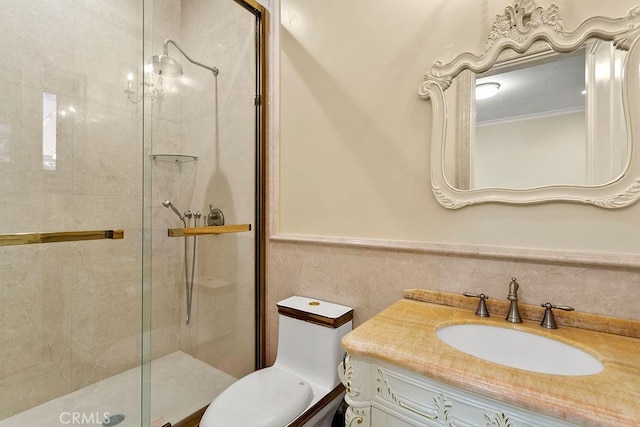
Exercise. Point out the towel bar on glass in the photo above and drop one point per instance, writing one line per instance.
(59, 236)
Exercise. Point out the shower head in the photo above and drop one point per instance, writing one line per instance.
(168, 204)
(166, 66)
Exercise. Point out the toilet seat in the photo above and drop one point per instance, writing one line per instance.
(270, 397)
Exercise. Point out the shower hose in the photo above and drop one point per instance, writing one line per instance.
(188, 281)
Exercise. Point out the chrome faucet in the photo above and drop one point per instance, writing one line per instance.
(514, 313)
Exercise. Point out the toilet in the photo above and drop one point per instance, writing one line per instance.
(302, 387)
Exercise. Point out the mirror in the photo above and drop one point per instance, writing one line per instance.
(561, 124)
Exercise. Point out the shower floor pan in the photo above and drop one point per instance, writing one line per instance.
(180, 386)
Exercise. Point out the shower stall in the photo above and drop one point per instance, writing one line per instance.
(131, 216)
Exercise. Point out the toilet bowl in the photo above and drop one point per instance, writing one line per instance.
(302, 388)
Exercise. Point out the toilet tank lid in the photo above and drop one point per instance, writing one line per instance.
(315, 311)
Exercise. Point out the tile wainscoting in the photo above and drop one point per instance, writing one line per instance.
(371, 276)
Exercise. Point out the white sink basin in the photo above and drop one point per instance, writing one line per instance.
(519, 349)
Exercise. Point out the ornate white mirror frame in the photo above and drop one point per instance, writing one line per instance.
(522, 25)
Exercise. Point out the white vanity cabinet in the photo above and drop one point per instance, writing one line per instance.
(382, 395)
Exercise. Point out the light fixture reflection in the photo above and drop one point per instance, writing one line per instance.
(148, 90)
(487, 90)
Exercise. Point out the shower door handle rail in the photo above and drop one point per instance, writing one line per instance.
(214, 229)
(59, 236)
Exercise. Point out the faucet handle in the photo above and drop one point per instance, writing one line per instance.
(513, 289)
(548, 320)
(214, 217)
(482, 310)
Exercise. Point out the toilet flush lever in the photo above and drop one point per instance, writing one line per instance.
(482, 310)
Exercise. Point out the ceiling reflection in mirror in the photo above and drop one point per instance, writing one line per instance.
(543, 88)
(534, 130)
(559, 126)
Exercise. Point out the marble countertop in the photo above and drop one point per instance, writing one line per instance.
(404, 335)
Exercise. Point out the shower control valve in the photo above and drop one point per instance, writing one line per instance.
(215, 217)
(188, 215)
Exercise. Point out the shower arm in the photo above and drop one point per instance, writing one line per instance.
(214, 70)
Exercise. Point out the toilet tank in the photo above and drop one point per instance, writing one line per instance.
(309, 334)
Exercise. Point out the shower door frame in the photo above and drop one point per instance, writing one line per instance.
(262, 19)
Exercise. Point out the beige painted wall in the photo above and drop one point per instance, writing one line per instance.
(355, 138)
(352, 163)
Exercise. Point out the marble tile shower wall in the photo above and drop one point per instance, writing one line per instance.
(70, 312)
(168, 256)
(217, 125)
(370, 279)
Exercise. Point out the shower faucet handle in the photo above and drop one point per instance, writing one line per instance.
(188, 215)
(215, 217)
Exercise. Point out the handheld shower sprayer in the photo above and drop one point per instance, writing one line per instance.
(168, 204)
(188, 282)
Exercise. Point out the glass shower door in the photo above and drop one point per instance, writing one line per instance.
(203, 157)
(70, 213)
(93, 290)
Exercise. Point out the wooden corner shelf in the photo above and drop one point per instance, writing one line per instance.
(200, 231)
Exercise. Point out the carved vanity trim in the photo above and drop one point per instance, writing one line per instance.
(394, 396)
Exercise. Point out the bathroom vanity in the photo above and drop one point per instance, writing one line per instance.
(399, 373)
